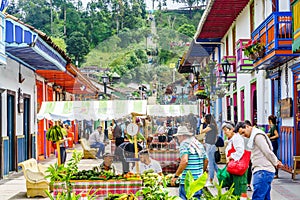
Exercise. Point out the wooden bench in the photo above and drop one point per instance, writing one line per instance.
(88, 152)
(34, 173)
(295, 170)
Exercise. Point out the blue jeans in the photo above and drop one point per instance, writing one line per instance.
(182, 193)
(212, 166)
(100, 146)
(262, 185)
(63, 155)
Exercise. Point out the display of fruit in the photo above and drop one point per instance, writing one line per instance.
(54, 133)
(168, 179)
(150, 178)
(131, 176)
(96, 174)
(121, 197)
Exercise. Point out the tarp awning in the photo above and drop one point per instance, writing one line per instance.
(80, 110)
(172, 110)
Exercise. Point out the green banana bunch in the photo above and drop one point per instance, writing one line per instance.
(54, 133)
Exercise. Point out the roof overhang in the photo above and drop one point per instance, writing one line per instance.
(71, 80)
(215, 22)
(195, 54)
(218, 17)
(29, 48)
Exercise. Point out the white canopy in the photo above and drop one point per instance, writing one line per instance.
(80, 110)
(172, 110)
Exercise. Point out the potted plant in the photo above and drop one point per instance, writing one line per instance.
(254, 49)
(258, 48)
(201, 94)
(63, 173)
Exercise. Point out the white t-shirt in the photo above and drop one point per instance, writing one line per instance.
(153, 165)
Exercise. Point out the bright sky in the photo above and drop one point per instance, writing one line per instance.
(170, 4)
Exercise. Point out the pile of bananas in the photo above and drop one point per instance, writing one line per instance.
(150, 178)
(168, 179)
(54, 133)
(121, 197)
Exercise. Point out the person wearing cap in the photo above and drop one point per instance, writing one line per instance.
(192, 158)
(107, 164)
(96, 140)
(147, 163)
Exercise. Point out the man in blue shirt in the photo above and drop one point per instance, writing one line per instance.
(192, 158)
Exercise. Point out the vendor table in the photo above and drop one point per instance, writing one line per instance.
(167, 158)
(102, 188)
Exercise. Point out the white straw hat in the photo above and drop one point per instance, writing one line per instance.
(183, 130)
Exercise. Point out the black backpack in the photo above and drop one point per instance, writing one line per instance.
(219, 142)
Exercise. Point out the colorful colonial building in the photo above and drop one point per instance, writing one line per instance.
(260, 81)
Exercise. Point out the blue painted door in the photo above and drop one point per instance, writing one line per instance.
(11, 131)
(26, 128)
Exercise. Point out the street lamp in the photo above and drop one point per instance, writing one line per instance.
(105, 80)
(226, 68)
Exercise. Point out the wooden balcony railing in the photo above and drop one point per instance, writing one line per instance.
(243, 63)
(276, 34)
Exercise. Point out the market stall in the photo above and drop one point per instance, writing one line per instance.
(163, 150)
(90, 110)
(101, 188)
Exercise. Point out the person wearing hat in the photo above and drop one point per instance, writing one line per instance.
(96, 140)
(192, 158)
(147, 163)
(107, 164)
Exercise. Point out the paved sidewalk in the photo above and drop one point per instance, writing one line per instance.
(283, 188)
(14, 185)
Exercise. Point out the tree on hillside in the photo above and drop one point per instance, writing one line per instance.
(77, 47)
(60, 43)
(36, 13)
(187, 29)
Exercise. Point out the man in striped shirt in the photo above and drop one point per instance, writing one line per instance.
(192, 157)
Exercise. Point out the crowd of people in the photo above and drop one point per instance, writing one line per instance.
(242, 139)
(196, 142)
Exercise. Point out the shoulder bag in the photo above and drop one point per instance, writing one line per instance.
(238, 167)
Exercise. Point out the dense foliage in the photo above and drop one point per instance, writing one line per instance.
(114, 34)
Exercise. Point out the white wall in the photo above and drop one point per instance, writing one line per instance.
(263, 94)
(259, 12)
(284, 5)
(243, 82)
(9, 80)
(243, 24)
(268, 8)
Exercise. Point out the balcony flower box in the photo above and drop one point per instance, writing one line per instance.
(254, 49)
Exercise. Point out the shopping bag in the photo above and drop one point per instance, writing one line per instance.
(224, 177)
(239, 167)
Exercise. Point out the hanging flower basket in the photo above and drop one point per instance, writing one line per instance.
(254, 49)
(260, 53)
(202, 95)
(252, 56)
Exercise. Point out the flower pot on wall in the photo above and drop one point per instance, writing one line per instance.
(260, 53)
(252, 56)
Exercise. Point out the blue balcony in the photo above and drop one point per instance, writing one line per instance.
(276, 34)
